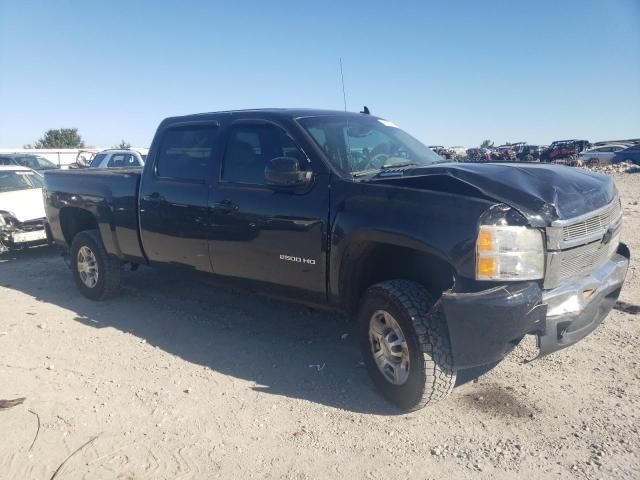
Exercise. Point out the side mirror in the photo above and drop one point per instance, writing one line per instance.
(285, 172)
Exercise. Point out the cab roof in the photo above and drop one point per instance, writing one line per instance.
(290, 113)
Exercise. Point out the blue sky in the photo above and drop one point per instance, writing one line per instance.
(449, 72)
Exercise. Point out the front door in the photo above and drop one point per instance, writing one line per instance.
(174, 197)
(266, 234)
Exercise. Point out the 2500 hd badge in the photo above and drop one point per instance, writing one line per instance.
(290, 258)
(443, 265)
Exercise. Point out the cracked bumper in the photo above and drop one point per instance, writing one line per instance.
(484, 326)
(576, 309)
(15, 236)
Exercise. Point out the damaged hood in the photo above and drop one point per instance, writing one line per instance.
(541, 192)
(24, 205)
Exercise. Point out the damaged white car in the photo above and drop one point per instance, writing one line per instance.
(22, 217)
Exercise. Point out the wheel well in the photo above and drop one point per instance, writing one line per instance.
(75, 220)
(371, 263)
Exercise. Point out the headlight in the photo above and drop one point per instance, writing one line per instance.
(509, 253)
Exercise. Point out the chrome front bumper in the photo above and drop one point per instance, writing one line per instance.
(576, 308)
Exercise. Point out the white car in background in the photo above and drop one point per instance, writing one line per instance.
(22, 217)
(601, 154)
(459, 151)
(113, 158)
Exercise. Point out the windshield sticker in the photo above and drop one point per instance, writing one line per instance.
(387, 123)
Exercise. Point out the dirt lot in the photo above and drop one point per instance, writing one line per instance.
(176, 379)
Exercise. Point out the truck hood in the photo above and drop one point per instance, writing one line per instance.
(541, 192)
(24, 205)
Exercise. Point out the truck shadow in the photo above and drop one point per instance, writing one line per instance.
(627, 307)
(285, 349)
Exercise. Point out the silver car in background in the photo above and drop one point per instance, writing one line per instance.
(118, 158)
(602, 154)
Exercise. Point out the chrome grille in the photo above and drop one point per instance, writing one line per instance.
(575, 246)
(578, 261)
(599, 223)
(582, 259)
(564, 234)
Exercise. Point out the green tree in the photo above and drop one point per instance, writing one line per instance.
(486, 144)
(60, 138)
(123, 145)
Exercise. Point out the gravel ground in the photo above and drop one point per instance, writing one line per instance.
(176, 379)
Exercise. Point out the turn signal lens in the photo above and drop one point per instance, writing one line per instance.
(509, 253)
(486, 266)
(485, 241)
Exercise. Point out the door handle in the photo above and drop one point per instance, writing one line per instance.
(225, 206)
(153, 197)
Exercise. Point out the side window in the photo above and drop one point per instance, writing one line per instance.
(5, 161)
(29, 162)
(185, 152)
(251, 147)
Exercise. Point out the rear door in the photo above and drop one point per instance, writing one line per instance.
(173, 198)
(265, 234)
(597, 153)
(606, 155)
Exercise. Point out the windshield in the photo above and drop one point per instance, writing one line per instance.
(97, 160)
(17, 180)
(359, 145)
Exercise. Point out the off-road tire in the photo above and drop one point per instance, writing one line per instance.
(431, 374)
(108, 283)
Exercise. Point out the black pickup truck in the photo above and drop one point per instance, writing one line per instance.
(444, 266)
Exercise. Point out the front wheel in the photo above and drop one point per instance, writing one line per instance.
(405, 344)
(97, 274)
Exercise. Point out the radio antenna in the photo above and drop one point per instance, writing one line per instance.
(344, 95)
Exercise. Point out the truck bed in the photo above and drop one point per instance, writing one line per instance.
(111, 196)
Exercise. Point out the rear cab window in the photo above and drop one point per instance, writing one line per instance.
(123, 160)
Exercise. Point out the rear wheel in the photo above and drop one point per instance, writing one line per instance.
(96, 273)
(405, 345)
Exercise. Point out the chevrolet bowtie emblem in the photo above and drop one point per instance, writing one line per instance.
(607, 236)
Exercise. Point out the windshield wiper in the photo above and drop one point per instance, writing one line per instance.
(388, 166)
